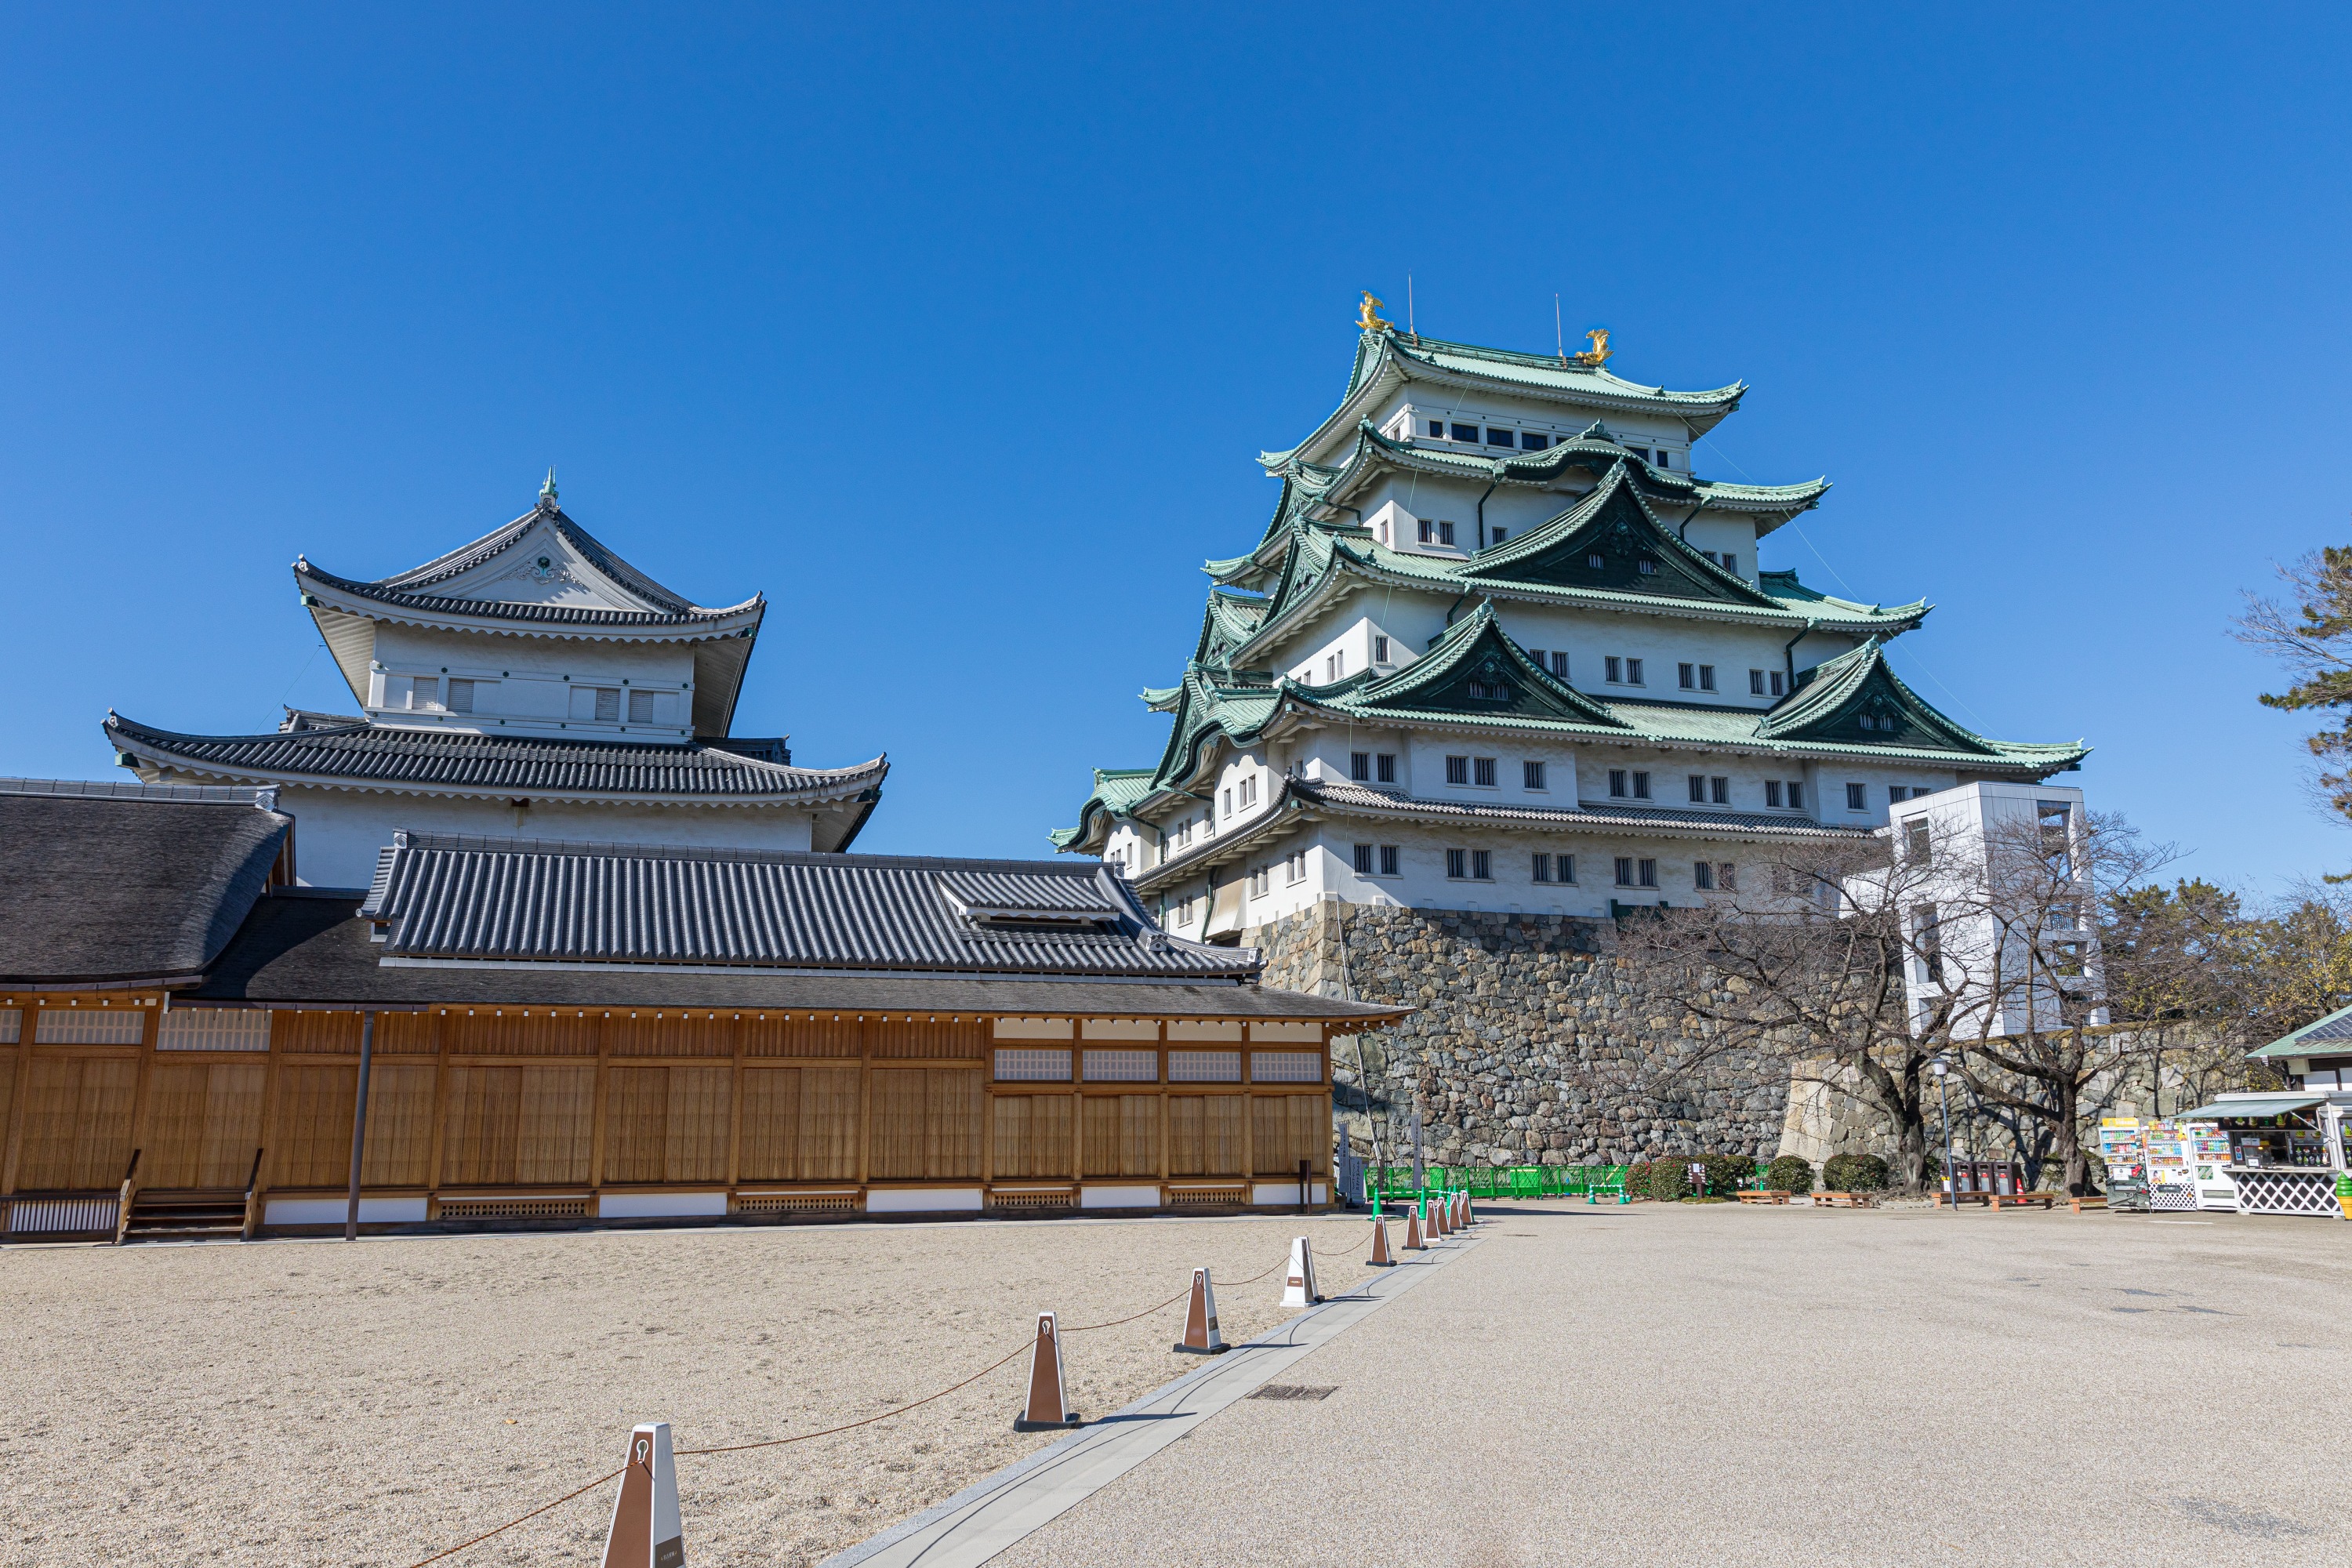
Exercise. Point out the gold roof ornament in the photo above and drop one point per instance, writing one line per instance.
(1598, 355)
(1368, 316)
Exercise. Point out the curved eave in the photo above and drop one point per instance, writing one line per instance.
(513, 620)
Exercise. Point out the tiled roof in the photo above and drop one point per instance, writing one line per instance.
(362, 755)
(112, 885)
(1611, 816)
(444, 896)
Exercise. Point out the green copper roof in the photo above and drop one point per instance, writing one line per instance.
(1117, 793)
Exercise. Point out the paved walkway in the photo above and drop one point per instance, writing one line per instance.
(1708, 1384)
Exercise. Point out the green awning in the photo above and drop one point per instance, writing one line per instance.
(2251, 1105)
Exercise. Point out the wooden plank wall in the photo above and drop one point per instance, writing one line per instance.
(491, 1099)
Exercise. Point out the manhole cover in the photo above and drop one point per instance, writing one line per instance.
(1292, 1391)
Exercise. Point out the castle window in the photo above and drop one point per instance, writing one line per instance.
(1379, 650)
(1596, 561)
(1535, 656)
(1445, 532)
(1726, 876)
(1388, 858)
(1428, 532)
(641, 707)
(1646, 873)
(1437, 427)
(1646, 567)
(1482, 865)
(1295, 869)
(1457, 864)
(1360, 766)
(1624, 870)
(1483, 771)
(1457, 770)
(1363, 859)
(1617, 784)
(1772, 792)
(1384, 765)
(1616, 668)
(1531, 776)
(1857, 797)
(1500, 438)
(1755, 683)
(1640, 784)
(1706, 678)
(1633, 672)
(1465, 432)
(1560, 664)
(461, 696)
(608, 704)
(1665, 459)
(1689, 675)
(1796, 795)
(1720, 791)
(1531, 442)
(1543, 869)
(1501, 534)
(1698, 789)
(1703, 876)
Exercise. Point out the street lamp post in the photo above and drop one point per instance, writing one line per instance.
(1942, 1067)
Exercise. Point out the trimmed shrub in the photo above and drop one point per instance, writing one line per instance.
(1637, 1180)
(1789, 1174)
(1728, 1174)
(1854, 1174)
(1669, 1181)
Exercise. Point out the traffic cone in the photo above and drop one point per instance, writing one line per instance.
(1437, 1228)
(1380, 1257)
(1469, 1214)
(1048, 1410)
(1413, 1240)
(1298, 1281)
(1200, 1335)
(644, 1531)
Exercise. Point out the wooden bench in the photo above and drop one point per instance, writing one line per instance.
(2079, 1205)
(2019, 1200)
(1843, 1201)
(1769, 1197)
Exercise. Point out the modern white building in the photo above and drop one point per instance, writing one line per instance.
(531, 684)
(1500, 648)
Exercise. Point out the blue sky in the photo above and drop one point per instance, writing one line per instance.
(956, 331)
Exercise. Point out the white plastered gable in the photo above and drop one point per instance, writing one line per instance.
(543, 568)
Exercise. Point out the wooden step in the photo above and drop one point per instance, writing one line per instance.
(156, 1216)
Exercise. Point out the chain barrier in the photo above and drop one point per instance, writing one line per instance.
(1019, 1350)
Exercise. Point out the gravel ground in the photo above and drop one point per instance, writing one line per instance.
(372, 1403)
(1679, 1385)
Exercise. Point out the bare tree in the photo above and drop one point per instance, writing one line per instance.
(1809, 958)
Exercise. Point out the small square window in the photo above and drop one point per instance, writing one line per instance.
(1501, 534)
(1535, 656)
(1596, 561)
(461, 697)
(1560, 664)
(1731, 562)
(1719, 791)
(1755, 683)
(1227, 797)
(1483, 771)
(1445, 532)
(1703, 876)
(1698, 789)
(1501, 437)
(1897, 795)
(1772, 792)
(1624, 870)
(1565, 865)
(1633, 672)
(1640, 784)
(1616, 668)
(1616, 783)
(1543, 869)
(1330, 668)
(1856, 797)
(608, 704)
(1384, 767)
(1646, 567)
(1531, 442)
(1457, 770)
(1665, 459)
(1688, 675)
(1457, 864)
(1428, 532)
(1779, 685)
(1482, 865)
(1648, 873)
(1706, 678)
(1531, 776)
(641, 707)
(1379, 650)
(1389, 858)
(1360, 766)
(1796, 795)
(1437, 427)
(1465, 432)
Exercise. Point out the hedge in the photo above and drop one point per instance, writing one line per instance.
(1789, 1174)
(1854, 1174)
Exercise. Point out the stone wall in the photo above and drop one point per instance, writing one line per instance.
(1536, 1041)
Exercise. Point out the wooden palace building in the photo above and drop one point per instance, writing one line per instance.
(531, 940)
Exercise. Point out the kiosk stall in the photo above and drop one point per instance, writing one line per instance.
(2283, 1151)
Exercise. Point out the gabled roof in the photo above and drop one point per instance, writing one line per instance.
(377, 757)
(114, 884)
(1637, 552)
(1857, 699)
(2327, 1037)
(1387, 359)
(541, 574)
(442, 897)
(1117, 792)
(1477, 671)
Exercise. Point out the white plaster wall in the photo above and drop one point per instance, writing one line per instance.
(527, 683)
(338, 832)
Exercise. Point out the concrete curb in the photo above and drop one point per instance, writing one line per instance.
(993, 1514)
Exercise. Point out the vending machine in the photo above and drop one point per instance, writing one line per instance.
(2123, 1148)
(2171, 1166)
(2209, 1152)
